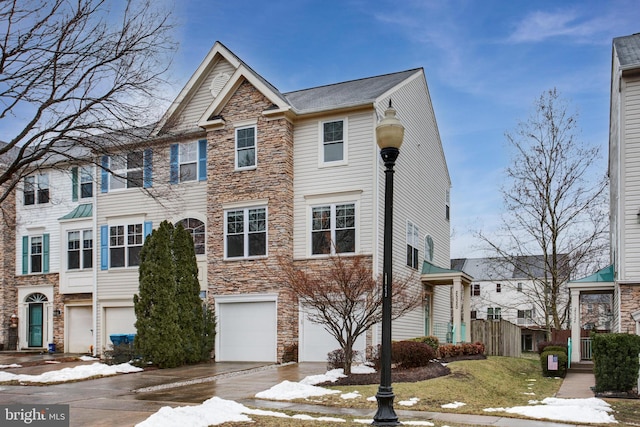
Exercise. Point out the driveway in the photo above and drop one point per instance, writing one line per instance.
(124, 400)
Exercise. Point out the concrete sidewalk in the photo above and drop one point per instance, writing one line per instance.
(125, 400)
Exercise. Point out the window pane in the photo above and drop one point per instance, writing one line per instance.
(116, 182)
(73, 258)
(134, 179)
(134, 160)
(116, 257)
(246, 137)
(73, 240)
(333, 152)
(87, 258)
(73, 252)
(188, 152)
(134, 256)
(257, 244)
(409, 255)
(188, 172)
(321, 242)
(235, 245)
(333, 131)
(86, 183)
(235, 222)
(321, 218)
(36, 263)
(246, 157)
(415, 258)
(345, 241)
(345, 216)
(257, 220)
(116, 235)
(134, 234)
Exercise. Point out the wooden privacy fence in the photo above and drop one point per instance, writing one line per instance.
(500, 337)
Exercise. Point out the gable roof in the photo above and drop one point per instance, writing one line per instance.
(346, 94)
(491, 269)
(628, 51)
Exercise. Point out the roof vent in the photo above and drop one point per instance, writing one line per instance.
(218, 83)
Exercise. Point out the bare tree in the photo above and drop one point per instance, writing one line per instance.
(74, 69)
(555, 205)
(345, 298)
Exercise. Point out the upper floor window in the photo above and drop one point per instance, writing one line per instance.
(197, 230)
(525, 315)
(131, 170)
(36, 189)
(447, 208)
(81, 183)
(333, 229)
(188, 161)
(79, 249)
(498, 287)
(413, 240)
(475, 290)
(519, 287)
(246, 147)
(333, 142)
(428, 248)
(474, 314)
(245, 232)
(125, 244)
(126, 171)
(35, 254)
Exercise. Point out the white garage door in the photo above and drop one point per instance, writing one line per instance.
(316, 342)
(80, 328)
(247, 332)
(118, 320)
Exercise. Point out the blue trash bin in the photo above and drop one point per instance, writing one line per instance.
(117, 339)
(130, 338)
(52, 347)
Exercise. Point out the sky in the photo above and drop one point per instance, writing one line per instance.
(485, 63)
(217, 411)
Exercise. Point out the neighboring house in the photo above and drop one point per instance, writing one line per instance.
(622, 278)
(512, 291)
(258, 177)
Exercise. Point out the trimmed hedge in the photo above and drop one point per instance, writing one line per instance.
(615, 361)
(464, 349)
(405, 354)
(562, 362)
(430, 340)
(542, 345)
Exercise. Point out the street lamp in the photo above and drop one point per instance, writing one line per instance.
(389, 134)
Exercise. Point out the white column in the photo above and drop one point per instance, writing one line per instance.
(575, 325)
(457, 310)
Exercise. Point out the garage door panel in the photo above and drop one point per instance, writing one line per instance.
(118, 320)
(80, 329)
(247, 331)
(316, 342)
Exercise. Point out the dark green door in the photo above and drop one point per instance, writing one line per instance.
(35, 324)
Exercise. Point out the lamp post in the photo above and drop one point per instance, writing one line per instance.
(389, 134)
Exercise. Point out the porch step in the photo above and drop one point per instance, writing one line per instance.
(583, 367)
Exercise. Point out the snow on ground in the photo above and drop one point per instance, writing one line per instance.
(591, 410)
(76, 373)
(13, 365)
(453, 405)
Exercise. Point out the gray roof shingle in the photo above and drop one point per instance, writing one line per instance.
(628, 50)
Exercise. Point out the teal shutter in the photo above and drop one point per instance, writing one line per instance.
(147, 170)
(25, 254)
(202, 160)
(105, 174)
(45, 253)
(173, 164)
(74, 184)
(104, 247)
(148, 227)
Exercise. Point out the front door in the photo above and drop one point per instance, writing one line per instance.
(35, 324)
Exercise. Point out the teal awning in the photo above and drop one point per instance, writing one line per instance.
(604, 275)
(82, 211)
(428, 268)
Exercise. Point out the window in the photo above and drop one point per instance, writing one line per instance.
(447, 205)
(246, 232)
(188, 161)
(428, 248)
(79, 249)
(86, 183)
(494, 313)
(35, 254)
(474, 314)
(126, 171)
(498, 287)
(413, 240)
(333, 141)
(525, 316)
(197, 230)
(188, 155)
(246, 147)
(333, 229)
(475, 290)
(125, 243)
(519, 286)
(36, 189)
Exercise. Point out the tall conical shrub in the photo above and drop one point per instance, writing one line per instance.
(158, 338)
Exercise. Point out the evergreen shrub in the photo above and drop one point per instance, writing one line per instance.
(615, 360)
(562, 362)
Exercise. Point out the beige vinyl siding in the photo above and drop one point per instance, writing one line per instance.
(39, 219)
(614, 166)
(420, 184)
(630, 189)
(312, 181)
(202, 98)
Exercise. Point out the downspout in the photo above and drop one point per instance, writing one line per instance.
(94, 261)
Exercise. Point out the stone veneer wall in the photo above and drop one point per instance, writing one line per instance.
(52, 279)
(8, 292)
(272, 180)
(629, 303)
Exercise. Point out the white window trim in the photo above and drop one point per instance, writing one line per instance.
(332, 204)
(36, 187)
(31, 237)
(90, 171)
(414, 243)
(345, 143)
(246, 209)
(235, 146)
(181, 162)
(81, 249)
(122, 173)
(126, 245)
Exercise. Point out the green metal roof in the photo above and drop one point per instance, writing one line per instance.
(604, 275)
(82, 211)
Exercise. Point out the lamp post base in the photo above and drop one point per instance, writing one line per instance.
(385, 416)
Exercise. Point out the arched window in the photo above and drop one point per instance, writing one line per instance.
(197, 230)
(37, 297)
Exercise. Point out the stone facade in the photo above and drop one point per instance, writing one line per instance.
(8, 297)
(270, 181)
(629, 297)
(52, 279)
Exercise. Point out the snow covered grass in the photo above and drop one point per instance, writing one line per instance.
(77, 373)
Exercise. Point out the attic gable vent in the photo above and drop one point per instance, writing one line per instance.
(218, 83)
